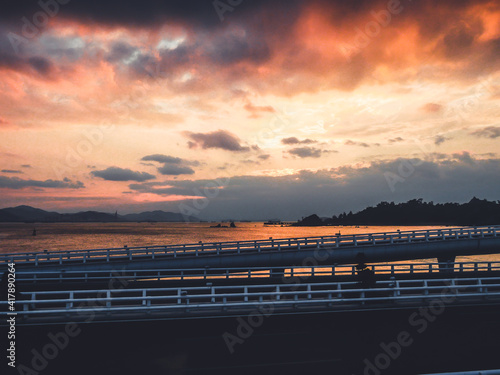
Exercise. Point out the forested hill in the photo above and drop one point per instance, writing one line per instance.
(416, 212)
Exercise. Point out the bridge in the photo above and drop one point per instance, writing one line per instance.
(225, 278)
(302, 286)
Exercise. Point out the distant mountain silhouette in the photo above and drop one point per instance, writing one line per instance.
(416, 212)
(31, 214)
(26, 213)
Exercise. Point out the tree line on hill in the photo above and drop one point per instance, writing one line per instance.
(416, 212)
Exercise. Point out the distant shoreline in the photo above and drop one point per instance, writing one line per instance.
(415, 212)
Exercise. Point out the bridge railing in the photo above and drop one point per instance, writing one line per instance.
(185, 300)
(250, 272)
(245, 247)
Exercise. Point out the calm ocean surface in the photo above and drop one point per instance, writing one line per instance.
(17, 237)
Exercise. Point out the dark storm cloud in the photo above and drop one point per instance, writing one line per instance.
(208, 42)
(142, 13)
(120, 50)
(231, 49)
(255, 32)
(180, 56)
(11, 60)
(202, 12)
(488, 132)
(8, 58)
(120, 174)
(17, 183)
(34, 64)
(305, 152)
(221, 139)
(40, 64)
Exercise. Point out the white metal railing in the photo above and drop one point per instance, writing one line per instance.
(247, 247)
(209, 300)
(252, 272)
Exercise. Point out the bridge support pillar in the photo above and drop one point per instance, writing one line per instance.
(446, 263)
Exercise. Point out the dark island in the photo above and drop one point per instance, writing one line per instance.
(415, 212)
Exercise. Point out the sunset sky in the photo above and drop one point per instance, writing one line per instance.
(248, 109)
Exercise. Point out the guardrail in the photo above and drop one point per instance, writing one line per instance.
(216, 300)
(246, 247)
(251, 272)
